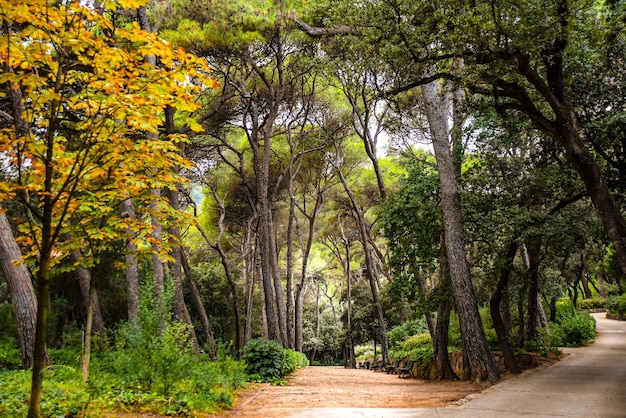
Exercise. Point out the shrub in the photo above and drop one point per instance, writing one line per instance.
(418, 347)
(268, 361)
(616, 304)
(10, 356)
(572, 328)
(399, 333)
(594, 303)
(577, 331)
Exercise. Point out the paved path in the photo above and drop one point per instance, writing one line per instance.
(590, 382)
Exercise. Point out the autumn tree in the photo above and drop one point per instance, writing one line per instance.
(80, 106)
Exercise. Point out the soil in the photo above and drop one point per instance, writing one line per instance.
(322, 387)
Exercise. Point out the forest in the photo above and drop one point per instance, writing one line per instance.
(196, 194)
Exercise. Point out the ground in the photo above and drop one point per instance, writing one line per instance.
(339, 387)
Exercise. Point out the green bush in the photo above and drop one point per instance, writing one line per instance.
(399, 333)
(575, 331)
(564, 309)
(594, 303)
(616, 304)
(10, 356)
(268, 361)
(418, 347)
(572, 328)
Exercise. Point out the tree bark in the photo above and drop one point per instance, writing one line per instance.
(234, 288)
(90, 301)
(196, 300)
(530, 253)
(91, 305)
(132, 266)
(382, 326)
(495, 305)
(443, 367)
(475, 344)
(21, 290)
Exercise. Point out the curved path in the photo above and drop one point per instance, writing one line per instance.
(590, 382)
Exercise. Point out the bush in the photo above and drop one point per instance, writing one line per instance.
(616, 304)
(10, 356)
(399, 333)
(268, 361)
(572, 328)
(594, 303)
(575, 331)
(418, 347)
(564, 309)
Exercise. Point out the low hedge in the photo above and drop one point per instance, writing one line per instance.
(593, 303)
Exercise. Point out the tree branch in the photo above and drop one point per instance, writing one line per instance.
(319, 32)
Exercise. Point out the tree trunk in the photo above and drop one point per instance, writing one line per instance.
(234, 288)
(566, 132)
(249, 278)
(530, 254)
(91, 305)
(279, 291)
(181, 312)
(600, 278)
(475, 344)
(382, 326)
(90, 301)
(351, 357)
(196, 300)
(443, 367)
(495, 305)
(132, 266)
(583, 277)
(21, 290)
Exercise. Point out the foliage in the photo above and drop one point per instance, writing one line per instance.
(10, 357)
(65, 395)
(398, 334)
(152, 353)
(418, 347)
(572, 328)
(593, 303)
(268, 361)
(616, 304)
(208, 385)
(86, 99)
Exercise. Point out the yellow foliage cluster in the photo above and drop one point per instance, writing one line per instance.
(88, 104)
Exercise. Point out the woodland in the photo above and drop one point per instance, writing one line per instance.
(196, 194)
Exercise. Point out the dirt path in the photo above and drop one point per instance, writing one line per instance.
(318, 387)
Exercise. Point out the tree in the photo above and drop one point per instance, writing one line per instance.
(524, 56)
(23, 299)
(78, 103)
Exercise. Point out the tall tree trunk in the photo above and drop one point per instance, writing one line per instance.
(443, 367)
(279, 291)
(291, 320)
(495, 305)
(132, 266)
(196, 300)
(583, 277)
(249, 279)
(600, 278)
(21, 290)
(363, 234)
(234, 288)
(530, 254)
(91, 305)
(564, 130)
(348, 274)
(90, 301)
(475, 344)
